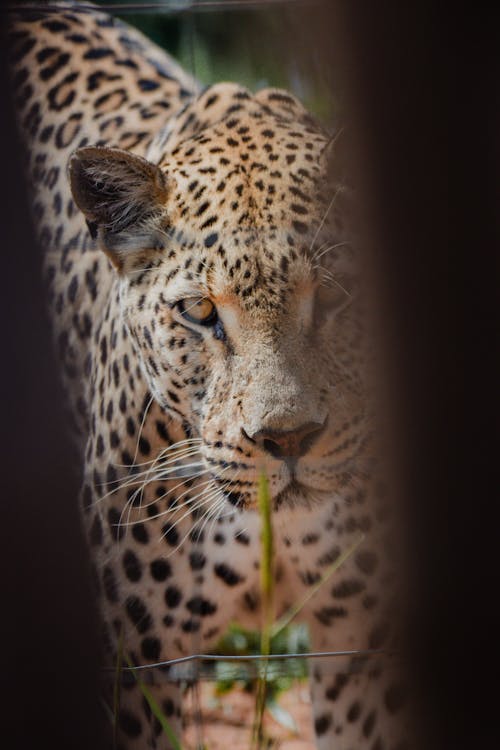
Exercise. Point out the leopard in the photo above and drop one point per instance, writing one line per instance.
(202, 286)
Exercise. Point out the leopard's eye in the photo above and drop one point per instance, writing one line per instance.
(198, 310)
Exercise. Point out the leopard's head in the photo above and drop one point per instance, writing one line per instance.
(236, 283)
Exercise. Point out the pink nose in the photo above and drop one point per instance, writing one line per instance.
(283, 444)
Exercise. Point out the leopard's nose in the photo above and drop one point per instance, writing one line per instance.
(287, 444)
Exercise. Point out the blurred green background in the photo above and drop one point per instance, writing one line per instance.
(273, 43)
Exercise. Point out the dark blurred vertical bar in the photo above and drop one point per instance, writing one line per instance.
(422, 99)
(49, 666)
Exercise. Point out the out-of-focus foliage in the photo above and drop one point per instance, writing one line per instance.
(279, 675)
(257, 47)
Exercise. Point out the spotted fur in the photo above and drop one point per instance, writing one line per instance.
(148, 193)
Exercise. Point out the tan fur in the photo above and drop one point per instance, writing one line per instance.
(236, 198)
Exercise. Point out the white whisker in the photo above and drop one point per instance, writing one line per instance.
(143, 422)
(174, 509)
(320, 227)
(208, 499)
(136, 475)
(131, 502)
(145, 478)
(215, 515)
(328, 276)
(322, 250)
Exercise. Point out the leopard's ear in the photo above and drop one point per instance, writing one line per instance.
(123, 198)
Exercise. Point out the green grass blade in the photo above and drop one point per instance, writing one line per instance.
(266, 566)
(267, 593)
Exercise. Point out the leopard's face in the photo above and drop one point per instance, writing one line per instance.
(236, 286)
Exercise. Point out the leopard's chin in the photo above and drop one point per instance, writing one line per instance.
(296, 493)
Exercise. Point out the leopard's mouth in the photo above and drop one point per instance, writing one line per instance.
(293, 493)
(296, 493)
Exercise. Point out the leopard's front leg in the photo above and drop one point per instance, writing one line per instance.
(358, 703)
(359, 700)
(342, 585)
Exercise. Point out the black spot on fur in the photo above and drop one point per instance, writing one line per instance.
(173, 597)
(168, 707)
(242, 538)
(171, 534)
(97, 53)
(160, 569)
(140, 533)
(144, 446)
(138, 614)
(151, 648)
(334, 691)
(197, 560)
(146, 84)
(227, 574)
(200, 606)
(60, 96)
(129, 724)
(378, 636)
(366, 561)
(132, 566)
(353, 712)
(55, 26)
(322, 724)
(191, 626)
(211, 239)
(327, 615)
(369, 724)
(347, 588)
(109, 584)
(114, 519)
(50, 70)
